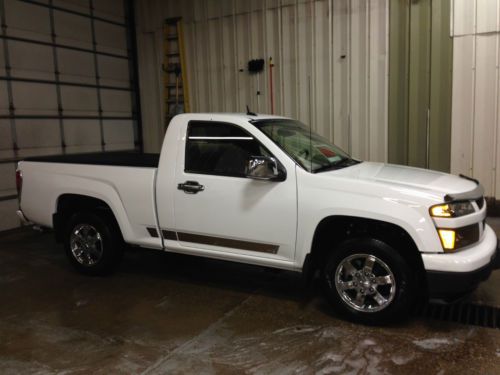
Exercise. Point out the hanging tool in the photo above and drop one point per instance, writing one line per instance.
(255, 67)
(271, 93)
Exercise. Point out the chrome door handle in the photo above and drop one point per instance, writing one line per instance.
(191, 187)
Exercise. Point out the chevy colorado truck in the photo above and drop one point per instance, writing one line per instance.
(268, 191)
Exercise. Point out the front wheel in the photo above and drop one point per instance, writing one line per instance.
(369, 282)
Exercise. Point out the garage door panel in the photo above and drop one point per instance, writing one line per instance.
(4, 99)
(29, 60)
(81, 6)
(113, 71)
(5, 135)
(6, 151)
(27, 20)
(76, 66)
(39, 151)
(82, 132)
(73, 29)
(34, 98)
(8, 218)
(119, 147)
(118, 132)
(2, 59)
(79, 101)
(110, 38)
(38, 133)
(116, 103)
(66, 45)
(83, 149)
(7, 154)
(110, 9)
(8, 180)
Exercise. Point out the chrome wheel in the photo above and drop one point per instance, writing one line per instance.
(86, 244)
(365, 283)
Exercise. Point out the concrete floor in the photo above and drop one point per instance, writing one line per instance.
(166, 313)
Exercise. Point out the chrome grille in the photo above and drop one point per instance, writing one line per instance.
(467, 235)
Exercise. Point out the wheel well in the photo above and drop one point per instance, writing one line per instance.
(68, 204)
(334, 230)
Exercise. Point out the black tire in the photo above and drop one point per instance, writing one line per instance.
(397, 302)
(108, 251)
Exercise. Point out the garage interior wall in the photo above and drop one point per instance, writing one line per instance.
(330, 64)
(475, 117)
(66, 84)
(420, 83)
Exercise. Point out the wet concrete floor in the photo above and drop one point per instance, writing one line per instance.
(170, 314)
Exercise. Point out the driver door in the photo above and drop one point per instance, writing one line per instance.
(220, 211)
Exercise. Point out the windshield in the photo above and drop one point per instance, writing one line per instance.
(311, 151)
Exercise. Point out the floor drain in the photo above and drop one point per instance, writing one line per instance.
(463, 313)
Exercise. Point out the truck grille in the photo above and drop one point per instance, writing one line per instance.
(480, 202)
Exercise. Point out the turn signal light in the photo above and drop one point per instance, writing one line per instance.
(447, 237)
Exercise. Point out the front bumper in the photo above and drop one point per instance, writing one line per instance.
(450, 285)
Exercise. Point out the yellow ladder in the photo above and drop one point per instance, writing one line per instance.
(175, 87)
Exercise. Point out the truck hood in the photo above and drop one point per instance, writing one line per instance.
(407, 180)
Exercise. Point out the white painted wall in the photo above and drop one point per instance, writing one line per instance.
(475, 28)
(330, 60)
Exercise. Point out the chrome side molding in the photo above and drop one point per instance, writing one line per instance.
(219, 241)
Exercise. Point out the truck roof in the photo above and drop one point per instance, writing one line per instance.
(238, 116)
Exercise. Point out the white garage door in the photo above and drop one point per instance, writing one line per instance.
(66, 83)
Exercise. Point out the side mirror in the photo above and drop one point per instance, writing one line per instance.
(264, 168)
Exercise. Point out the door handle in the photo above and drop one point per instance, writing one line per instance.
(191, 187)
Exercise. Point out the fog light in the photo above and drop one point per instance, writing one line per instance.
(447, 238)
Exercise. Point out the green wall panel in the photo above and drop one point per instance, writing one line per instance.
(441, 87)
(419, 87)
(420, 72)
(399, 17)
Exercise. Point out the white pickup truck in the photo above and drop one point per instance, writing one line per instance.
(265, 190)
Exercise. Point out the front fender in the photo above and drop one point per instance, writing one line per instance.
(413, 219)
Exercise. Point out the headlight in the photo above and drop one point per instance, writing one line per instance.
(454, 209)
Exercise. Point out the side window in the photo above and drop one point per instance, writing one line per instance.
(219, 149)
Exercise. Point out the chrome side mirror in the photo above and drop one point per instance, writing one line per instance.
(264, 168)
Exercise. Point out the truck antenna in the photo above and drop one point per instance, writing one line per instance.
(250, 113)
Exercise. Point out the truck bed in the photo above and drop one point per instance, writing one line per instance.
(124, 159)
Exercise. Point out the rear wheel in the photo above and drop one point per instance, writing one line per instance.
(369, 282)
(93, 243)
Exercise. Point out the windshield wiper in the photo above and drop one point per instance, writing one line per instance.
(346, 162)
